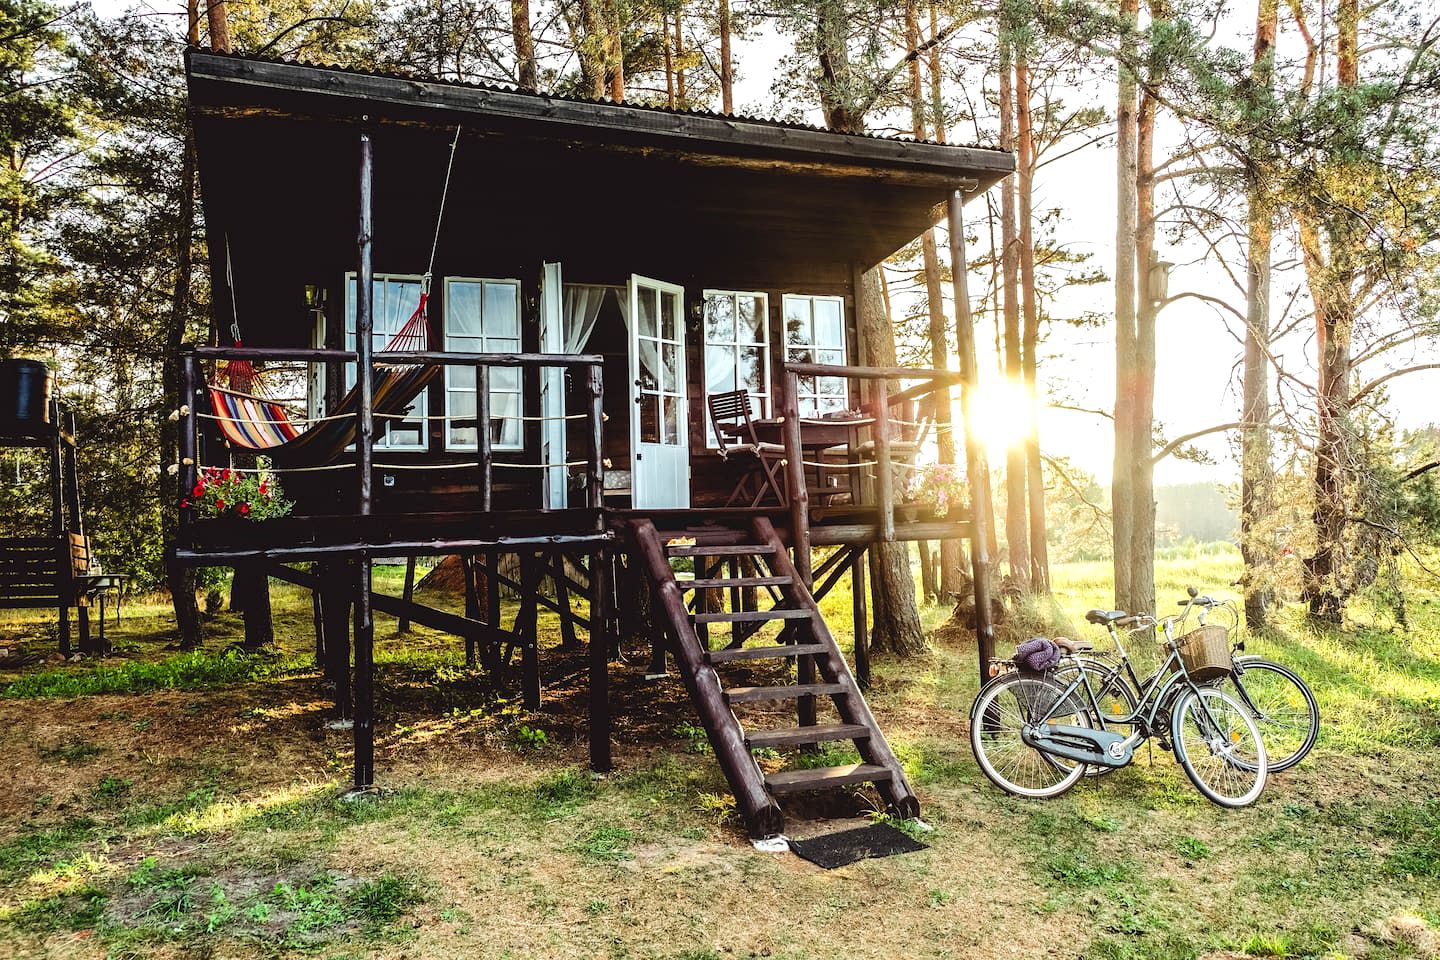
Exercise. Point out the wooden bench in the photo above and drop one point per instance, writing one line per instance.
(50, 571)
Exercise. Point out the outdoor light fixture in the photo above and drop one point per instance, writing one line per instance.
(1159, 280)
(314, 296)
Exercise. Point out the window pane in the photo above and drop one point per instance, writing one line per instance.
(829, 331)
(751, 319)
(832, 386)
(501, 310)
(672, 420)
(834, 357)
(402, 297)
(719, 369)
(669, 314)
(505, 378)
(504, 425)
(719, 318)
(751, 373)
(797, 320)
(462, 313)
(462, 378)
(670, 362)
(649, 418)
(350, 309)
(645, 300)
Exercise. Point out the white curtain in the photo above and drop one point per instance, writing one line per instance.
(568, 321)
(649, 350)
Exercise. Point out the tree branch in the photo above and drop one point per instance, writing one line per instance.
(1178, 442)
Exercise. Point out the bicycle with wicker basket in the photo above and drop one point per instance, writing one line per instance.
(1036, 735)
(1280, 701)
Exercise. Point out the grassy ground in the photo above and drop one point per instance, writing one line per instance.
(190, 806)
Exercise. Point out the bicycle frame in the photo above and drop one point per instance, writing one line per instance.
(1156, 692)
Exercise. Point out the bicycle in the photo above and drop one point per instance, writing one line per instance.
(1281, 702)
(1035, 736)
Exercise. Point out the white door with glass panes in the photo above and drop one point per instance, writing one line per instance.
(815, 333)
(737, 351)
(659, 424)
(482, 316)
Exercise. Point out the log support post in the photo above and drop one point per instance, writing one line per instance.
(799, 527)
(364, 684)
(600, 759)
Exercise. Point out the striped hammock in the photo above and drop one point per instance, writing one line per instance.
(251, 421)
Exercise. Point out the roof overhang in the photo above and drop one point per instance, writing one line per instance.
(277, 145)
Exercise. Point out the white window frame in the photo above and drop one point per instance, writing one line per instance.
(484, 338)
(808, 401)
(386, 442)
(766, 395)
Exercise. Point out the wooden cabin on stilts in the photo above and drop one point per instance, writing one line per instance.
(616, 344)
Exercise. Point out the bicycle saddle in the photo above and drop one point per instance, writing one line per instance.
(1073, 646)
(1104, 617)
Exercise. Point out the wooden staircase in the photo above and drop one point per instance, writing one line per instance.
(804, 638)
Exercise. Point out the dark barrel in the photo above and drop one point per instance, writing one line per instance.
(24, 398)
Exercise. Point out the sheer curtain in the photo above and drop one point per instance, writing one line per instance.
(578, 310)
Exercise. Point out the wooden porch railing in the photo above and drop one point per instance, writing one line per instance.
(193, 380)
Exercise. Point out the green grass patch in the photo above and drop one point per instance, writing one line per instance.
(188, 671)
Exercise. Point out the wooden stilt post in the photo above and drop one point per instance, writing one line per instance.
(977, 471)
(562, 602)
(404, 625)
(862, 625)
(339, 591)
(799, 526)
(527, 627)
(364, 730)
(600, 760)
(469, 569)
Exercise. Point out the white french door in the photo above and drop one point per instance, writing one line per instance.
(659, 421)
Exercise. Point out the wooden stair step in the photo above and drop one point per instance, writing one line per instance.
(723, 582)
(792, 691)
(765, 653)
(738, 550)
(751, 616)
(816, 733)
(825, 778)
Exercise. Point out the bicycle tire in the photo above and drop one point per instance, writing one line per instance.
(1284, 750)
(995, 737)
(1233, 750)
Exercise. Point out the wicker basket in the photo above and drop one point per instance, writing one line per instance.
(1206, 652)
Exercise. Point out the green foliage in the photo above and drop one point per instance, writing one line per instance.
(607, 844)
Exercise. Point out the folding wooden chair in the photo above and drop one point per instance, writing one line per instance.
(733, 409)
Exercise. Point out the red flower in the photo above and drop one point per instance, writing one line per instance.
(264, 487)
(185, 503)
(225, 474)
(219, 504)
(198, 491)
(244, 509)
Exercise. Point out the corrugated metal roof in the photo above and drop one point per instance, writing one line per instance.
(566, 98)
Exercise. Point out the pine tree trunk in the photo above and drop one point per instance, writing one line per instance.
(180, 579)
(526, 69)
(1331, 286)
(1030, 341)
(1256, 476)
(1017, 527)
(614, 50)
(950, 574)
(669, 62)
(1121, 492)
(219, 26)
(727, 66)
(1141, 596)
(680, 100)
(897, 630)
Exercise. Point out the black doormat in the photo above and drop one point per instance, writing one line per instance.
(837, 849)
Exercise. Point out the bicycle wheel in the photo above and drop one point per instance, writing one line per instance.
(1001, 709)
(1113, 699)
(1218, 744)
(1283, 707)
